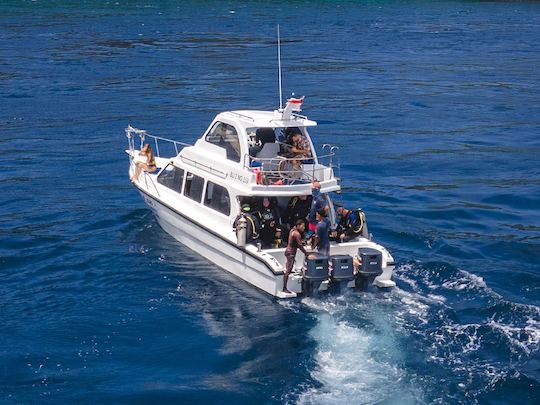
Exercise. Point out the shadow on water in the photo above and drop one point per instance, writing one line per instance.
(253, 341)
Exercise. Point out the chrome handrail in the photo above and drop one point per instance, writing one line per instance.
(316, 172)
(146, 177)
(131, 131)
(242, 115)
(280, 158)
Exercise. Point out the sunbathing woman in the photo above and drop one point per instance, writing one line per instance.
(145, 161)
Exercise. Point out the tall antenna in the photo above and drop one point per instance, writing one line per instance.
(279, 68)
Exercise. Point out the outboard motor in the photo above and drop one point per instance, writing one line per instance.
(342, 271)
(370, 267)
(315, 272)
(241, 231)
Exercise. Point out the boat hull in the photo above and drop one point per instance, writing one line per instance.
(222, 252)
(261, 269)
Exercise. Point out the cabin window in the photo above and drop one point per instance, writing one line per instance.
(194, 187)
(225, 136)
(172, 177)
(217, 198)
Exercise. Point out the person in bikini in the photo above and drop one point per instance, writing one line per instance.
(145, 161)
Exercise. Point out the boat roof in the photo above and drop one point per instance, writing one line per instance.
(273, 119)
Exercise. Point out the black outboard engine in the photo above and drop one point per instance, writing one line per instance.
(370, 267)
(315, 272)
(342, 271)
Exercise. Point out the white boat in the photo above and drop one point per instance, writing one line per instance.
(198, 190)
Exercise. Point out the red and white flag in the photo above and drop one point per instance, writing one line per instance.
(293, 104)
(296, 103)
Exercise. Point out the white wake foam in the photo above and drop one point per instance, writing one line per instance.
(359, 365)
(358, 358)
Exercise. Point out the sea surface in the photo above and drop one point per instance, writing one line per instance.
(436, 108)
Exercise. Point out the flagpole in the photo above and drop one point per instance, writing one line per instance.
(279, 69)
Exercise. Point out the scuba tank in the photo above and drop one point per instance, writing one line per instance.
(359, 226)
(241, 231)
(364, 228)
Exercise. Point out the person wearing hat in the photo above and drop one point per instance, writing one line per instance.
(253, 225)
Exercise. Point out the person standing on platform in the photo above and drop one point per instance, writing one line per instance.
(318, 202)
(322, 232)
(294, 243)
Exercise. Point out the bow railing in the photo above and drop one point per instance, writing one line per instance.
(155, 142)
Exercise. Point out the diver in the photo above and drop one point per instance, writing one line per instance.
(349, 224)
(297, 208)
(269, 220)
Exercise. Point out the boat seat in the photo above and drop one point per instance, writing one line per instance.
(270, 163)
(268, 151)
(253, 150)
(262, 137)
(265, 135)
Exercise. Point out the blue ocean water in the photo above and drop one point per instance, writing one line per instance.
(436, 107)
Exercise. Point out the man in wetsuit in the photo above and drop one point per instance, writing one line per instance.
(269, 222)
(349, 224)
(298, 208)
(295, 243)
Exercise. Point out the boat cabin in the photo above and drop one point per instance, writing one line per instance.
(261, 148)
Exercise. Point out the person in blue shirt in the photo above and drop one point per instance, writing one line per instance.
(318, 202)
(322, 232)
